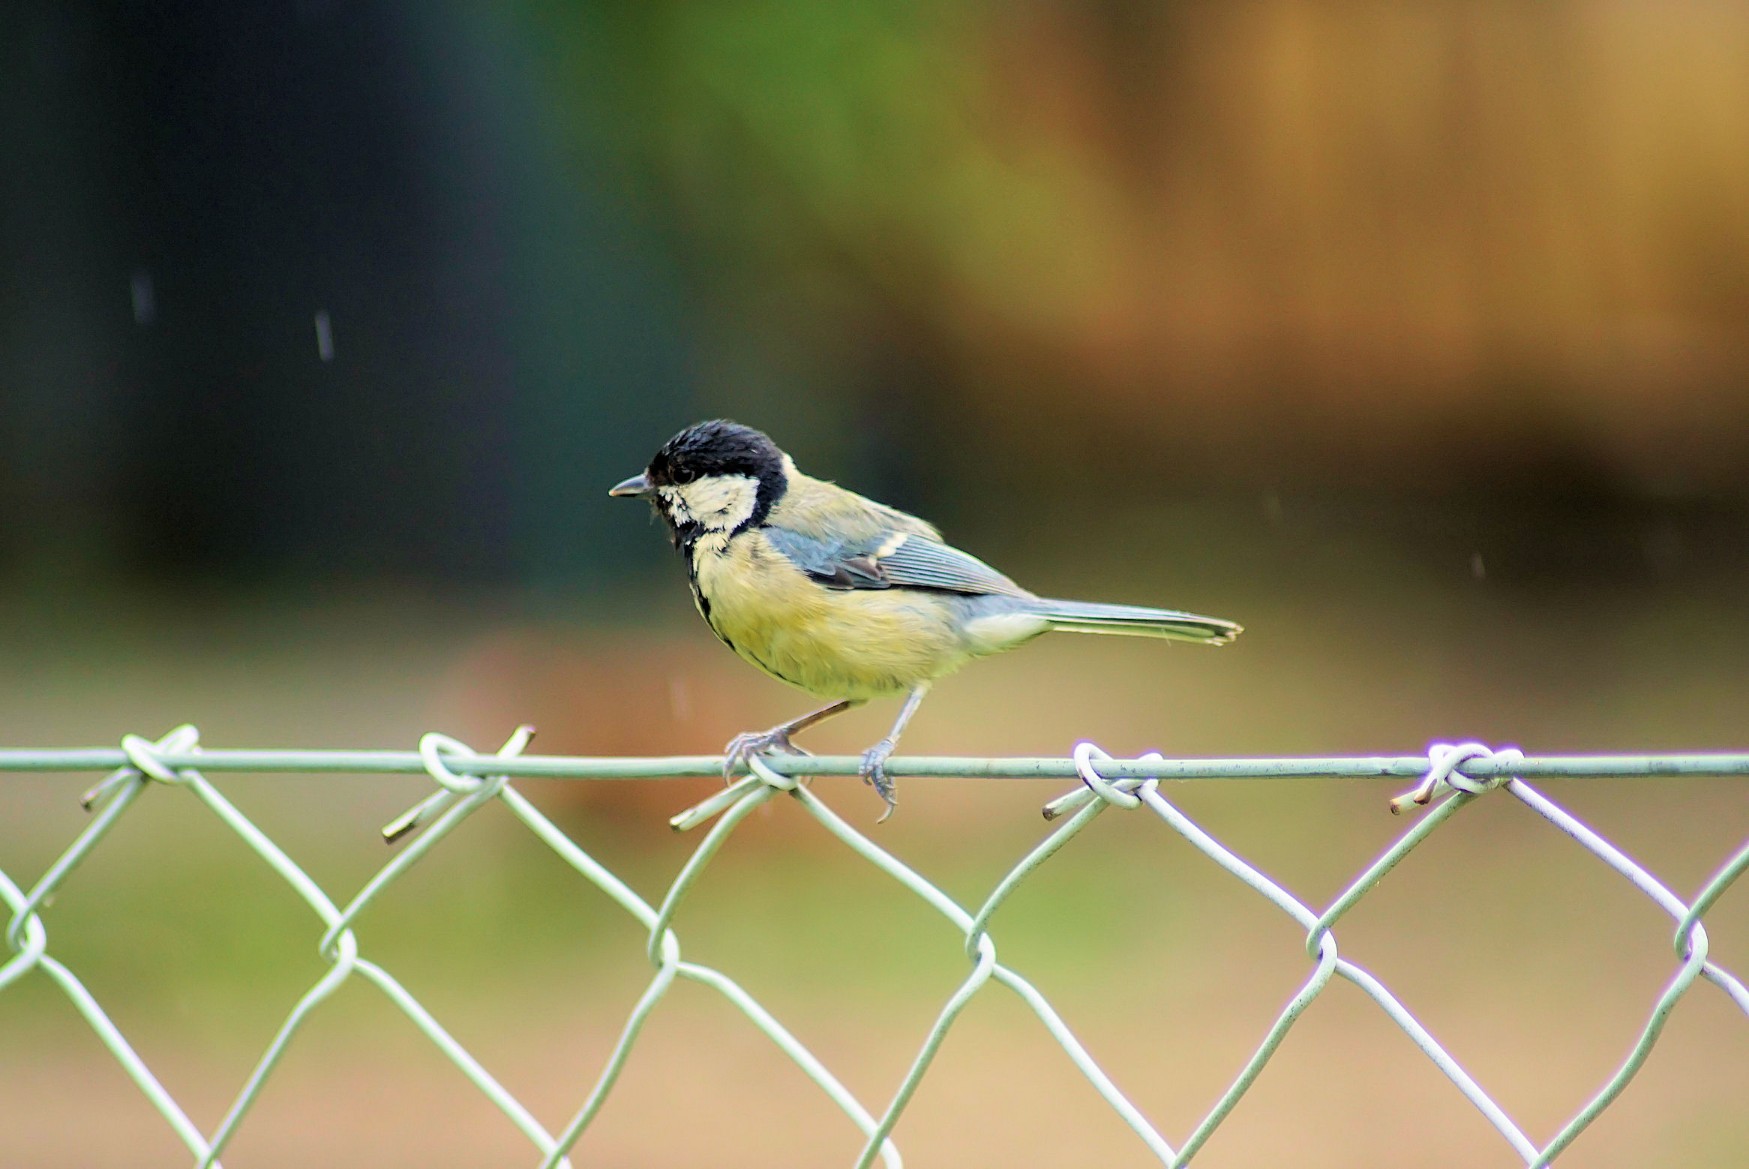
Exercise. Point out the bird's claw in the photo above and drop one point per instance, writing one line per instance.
(743, 747)
(874, 771)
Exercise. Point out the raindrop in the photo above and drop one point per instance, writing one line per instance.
(324, 335)
(1477, 568)
(1272, 509)
(145, 301)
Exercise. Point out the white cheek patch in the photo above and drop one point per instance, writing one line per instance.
(721, 502)
(674, 505)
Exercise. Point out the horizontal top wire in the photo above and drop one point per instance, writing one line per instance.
(944, 766)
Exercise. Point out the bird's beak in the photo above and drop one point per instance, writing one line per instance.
(638, 486)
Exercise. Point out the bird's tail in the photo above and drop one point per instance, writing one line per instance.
(1136, 621)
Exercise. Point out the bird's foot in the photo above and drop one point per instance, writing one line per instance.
(743, 747)
(874, 771)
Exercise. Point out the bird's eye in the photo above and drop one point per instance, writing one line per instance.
(680, 476)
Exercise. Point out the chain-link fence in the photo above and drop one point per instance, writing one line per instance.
(1450, 777)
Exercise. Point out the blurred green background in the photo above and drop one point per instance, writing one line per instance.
(1415, 338)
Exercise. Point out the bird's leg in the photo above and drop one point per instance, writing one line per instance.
(745, 746)
(874, 760)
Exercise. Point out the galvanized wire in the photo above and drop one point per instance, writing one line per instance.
(1450, 777)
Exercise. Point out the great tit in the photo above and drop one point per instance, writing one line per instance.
(844, 597)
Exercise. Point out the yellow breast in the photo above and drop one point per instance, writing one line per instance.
(854, 643)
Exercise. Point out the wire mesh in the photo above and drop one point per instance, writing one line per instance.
(1450, 777)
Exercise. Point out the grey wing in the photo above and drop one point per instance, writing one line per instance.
(891, 560)
(926, 564)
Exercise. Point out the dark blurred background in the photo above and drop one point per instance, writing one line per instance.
(1415, 338)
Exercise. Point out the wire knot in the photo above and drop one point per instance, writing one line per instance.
(25, 934)
(758, 769)
(1443, 762)
(143, 753)
(433, 750)
(1121, 793)
(144, 763)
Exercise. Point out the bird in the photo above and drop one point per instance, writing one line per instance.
(841, 596)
